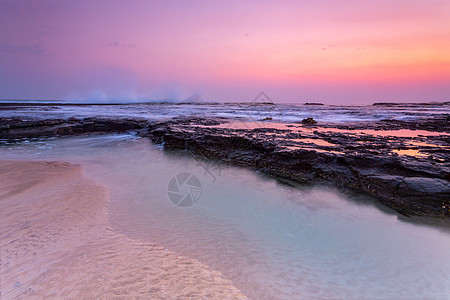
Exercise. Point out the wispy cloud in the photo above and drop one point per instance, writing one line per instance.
(37, 50)
(120, 45)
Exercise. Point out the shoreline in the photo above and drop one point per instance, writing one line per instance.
(405, 165)
(57, 243)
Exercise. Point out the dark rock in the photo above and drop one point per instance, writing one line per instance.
(309, 121)
(13, 128)
(419, 186)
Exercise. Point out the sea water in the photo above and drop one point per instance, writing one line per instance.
(272, 240)
(285, 113)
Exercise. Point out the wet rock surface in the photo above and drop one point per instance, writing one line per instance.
(16, 128)
(404, 164)
(309, 121)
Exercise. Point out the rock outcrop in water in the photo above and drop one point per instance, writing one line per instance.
(309, 121)
(410, 185)
(16, 128)
(408, 174)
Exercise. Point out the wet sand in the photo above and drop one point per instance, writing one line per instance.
(56, 242)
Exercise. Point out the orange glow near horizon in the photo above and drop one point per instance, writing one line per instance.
(227, 50)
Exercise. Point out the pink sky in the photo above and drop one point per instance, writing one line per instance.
(336, 52)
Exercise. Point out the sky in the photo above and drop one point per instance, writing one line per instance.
(334, 52)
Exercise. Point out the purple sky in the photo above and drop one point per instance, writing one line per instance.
(336, 52)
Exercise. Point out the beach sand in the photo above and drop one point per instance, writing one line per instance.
(56, 243)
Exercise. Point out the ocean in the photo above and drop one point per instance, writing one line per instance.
(284, 113)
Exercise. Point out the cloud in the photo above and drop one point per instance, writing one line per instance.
(37, 49)
(120, 45)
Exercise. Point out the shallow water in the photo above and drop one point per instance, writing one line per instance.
(271, 240)
(308, 130)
